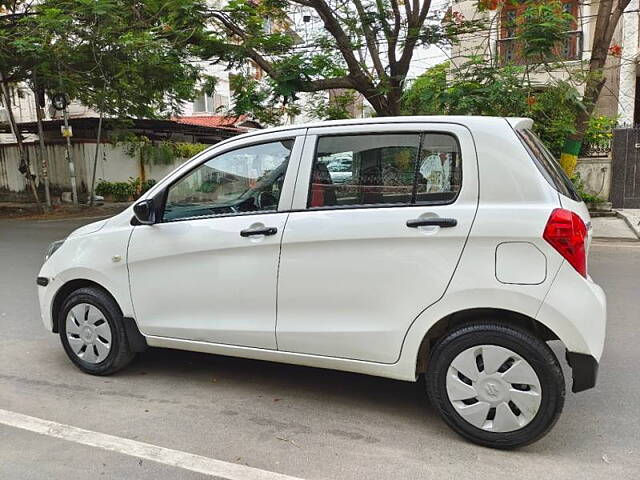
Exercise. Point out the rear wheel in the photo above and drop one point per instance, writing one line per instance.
(495, 384)
(92, 332)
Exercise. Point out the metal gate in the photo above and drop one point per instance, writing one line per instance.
(625, 165)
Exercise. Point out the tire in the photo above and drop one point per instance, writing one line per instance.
(92, 332)
(522, 412)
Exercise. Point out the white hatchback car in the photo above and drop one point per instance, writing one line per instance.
(457, 249)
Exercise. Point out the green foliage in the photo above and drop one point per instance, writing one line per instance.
(427, 92)
(499, 91)
(542, 28)
(256, 99)
(124, 191)
(335, 108)
(122, 57)
(600, 130)
(365, 46)
(156, 153)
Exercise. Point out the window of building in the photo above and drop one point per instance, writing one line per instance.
(215, 103)
(509, 47)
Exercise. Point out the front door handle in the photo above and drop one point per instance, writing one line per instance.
(432, 222)
(249, 232)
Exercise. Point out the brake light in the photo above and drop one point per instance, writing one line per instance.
(567, 233)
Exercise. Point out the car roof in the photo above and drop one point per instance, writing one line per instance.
(466, 120)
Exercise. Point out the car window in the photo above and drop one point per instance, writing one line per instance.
(240, 181)
(370, 169)
(547, 164)
(439, 172)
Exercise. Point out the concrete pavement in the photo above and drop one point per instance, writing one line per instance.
(304, 422)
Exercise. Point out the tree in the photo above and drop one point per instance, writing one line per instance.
(608, 17)
(486, 89)
(366, 46)
(540, 30)
(123, 58)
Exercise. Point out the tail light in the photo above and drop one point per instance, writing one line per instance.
(567, 233)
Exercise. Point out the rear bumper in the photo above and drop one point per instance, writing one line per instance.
(585, 371)
(575, 309)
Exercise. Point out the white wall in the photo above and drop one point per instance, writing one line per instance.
(114, 165)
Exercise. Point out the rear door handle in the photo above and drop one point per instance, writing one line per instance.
(432, 222)
(249, 232)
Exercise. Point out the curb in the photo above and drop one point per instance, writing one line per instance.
(634, 228)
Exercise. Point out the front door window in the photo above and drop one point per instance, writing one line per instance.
(241, 181)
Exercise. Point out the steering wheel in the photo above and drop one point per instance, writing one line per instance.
(266, 200)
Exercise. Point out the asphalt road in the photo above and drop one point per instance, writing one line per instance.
(298, 421)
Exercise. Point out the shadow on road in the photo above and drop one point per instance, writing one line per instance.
(283, 380)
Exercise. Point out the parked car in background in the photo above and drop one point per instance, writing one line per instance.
(457, 250)
(340, 169)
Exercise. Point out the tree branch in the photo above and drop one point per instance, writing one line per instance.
(326, 84)
(371, 40)
(414, 24)
(356, 73)
(392, 39)
(262, 62)
(614, 19)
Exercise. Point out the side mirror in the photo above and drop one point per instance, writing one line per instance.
(145, 212)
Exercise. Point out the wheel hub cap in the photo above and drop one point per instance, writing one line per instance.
(88, 333)
(493, 388)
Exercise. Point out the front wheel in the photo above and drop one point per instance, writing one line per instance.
(92, 332)
(495, 384)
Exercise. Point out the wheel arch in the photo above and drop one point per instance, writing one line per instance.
(67, 289)
(450, 321)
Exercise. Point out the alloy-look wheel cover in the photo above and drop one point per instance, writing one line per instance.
(493, 388)
(88, 333)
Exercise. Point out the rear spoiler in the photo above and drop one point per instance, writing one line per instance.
(519, 123)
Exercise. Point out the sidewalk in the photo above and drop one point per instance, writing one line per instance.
(632, 217)
(611, 228)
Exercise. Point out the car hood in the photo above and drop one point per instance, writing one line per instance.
(89, 228)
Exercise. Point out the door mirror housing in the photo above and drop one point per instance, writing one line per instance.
(145, 212)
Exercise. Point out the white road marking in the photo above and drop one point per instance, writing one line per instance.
(133, 448)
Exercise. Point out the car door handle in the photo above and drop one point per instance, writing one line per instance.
(432, 222)
(249, 232)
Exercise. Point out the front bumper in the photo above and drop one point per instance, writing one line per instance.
(585, 371)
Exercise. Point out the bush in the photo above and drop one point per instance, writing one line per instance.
(124, 191)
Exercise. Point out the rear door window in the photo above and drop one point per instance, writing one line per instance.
(391, 169)
(548, 165)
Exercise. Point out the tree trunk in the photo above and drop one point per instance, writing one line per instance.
(43, 153)
(95, 162)
(607, 20)
(16, 132)
(72, 165)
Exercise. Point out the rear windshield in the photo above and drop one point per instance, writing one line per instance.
(548, 165)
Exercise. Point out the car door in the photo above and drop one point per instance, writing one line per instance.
(361, 259)
(208, 270)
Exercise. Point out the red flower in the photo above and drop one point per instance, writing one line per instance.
(615, 50)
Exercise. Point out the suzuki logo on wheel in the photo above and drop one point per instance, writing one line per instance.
(491, 389)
